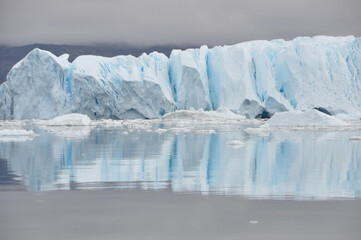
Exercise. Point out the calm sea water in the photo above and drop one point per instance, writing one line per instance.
(284, 165)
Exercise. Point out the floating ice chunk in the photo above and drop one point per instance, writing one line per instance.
(161, 130)
(73, 119)
(9, 135)
(16, 133)
(235, 143)
(68, 126)
(206, 131)
(308, 118)
(77, 132)
(261, 131)
(355, 138)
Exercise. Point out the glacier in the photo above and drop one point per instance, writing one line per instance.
(254, 79)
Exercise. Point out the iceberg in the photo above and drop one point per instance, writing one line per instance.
(253, 79)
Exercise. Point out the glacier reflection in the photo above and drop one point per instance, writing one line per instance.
(285, 165)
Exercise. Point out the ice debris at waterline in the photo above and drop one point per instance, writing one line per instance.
(73, 119)
(308, 118)
(200, 115)
(15, 135)
(256, 78)
(235, 143)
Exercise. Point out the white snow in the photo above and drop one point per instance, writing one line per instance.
(247, 78)
(308, 118)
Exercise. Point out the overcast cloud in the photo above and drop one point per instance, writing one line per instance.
(173, 22)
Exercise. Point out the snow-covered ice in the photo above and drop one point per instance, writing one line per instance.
(73, 119)
(308, 118)
(253, 79)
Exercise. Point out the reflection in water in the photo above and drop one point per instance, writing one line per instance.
(297, 165)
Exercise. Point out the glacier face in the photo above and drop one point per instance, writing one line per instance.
(250, 78)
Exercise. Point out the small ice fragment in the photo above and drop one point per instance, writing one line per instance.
(235, 143)
(17, 135)
(355, 138)
(261, 131)
(210, 131)
(253, 222)
(73, 119)
(161, 130)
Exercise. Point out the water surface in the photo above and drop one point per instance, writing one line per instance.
(285, 165)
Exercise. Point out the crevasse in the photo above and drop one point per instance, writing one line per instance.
(256, 78)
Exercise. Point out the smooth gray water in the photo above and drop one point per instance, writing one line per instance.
(285, 165)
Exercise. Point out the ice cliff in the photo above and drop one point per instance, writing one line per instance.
(253, 79)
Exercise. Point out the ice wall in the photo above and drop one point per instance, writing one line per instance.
(256, 78)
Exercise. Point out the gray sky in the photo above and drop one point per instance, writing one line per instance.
(176, 22)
